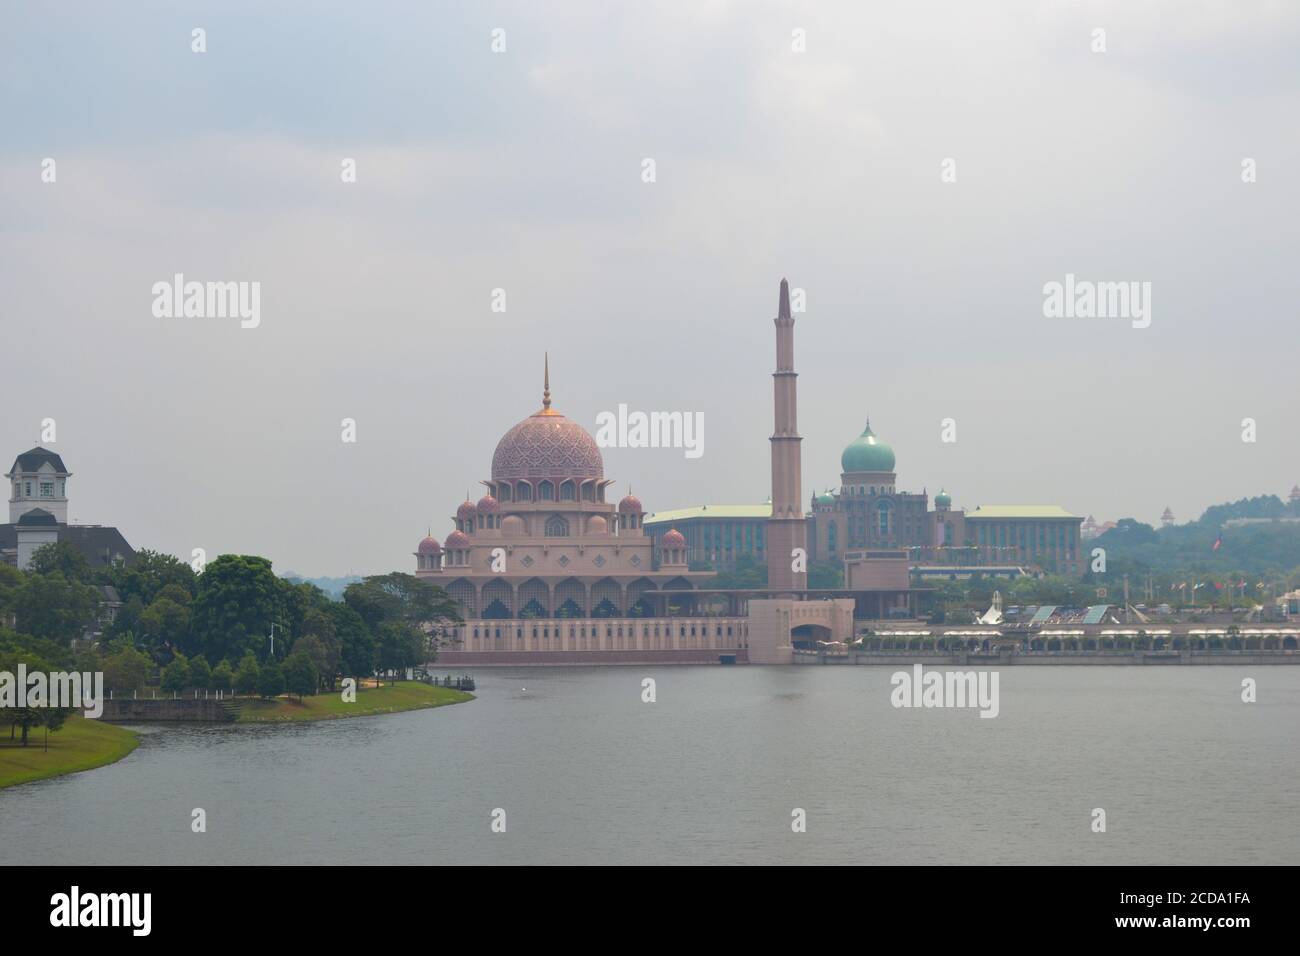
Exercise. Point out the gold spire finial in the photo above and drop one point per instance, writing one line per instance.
(546, 380)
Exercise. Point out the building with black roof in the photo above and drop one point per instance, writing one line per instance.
(38, 515)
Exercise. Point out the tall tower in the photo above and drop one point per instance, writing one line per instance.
(787, 528)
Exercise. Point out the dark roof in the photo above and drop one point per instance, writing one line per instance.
(99, 545)
(39, 517)
(32, 460)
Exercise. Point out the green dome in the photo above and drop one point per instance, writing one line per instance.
(826, 498)
(866, 453)
(943, 499)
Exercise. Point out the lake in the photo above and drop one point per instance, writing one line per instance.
(586, 772)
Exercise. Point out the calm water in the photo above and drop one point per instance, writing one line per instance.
(587, 773)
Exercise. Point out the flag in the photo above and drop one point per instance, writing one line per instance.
(1218, 542)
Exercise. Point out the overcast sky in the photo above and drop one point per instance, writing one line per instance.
(522, 170)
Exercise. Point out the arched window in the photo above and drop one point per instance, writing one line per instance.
(503, 493)
(883, 510)
(568, 492)
(557, 527)
(546, 491)
(525, 491)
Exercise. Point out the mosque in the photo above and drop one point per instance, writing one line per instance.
(547, 570)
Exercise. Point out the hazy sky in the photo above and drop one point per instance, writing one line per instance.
(522, 170)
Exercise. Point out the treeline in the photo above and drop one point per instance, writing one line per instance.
(212, 630)
(1266, 553)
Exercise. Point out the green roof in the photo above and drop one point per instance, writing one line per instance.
(1021, 511)
(866, 453)
(711, 511)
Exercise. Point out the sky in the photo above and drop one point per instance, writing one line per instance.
(523, 170)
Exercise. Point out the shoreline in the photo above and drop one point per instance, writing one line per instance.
(82, 744)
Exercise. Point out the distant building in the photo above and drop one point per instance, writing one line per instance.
(1167, 518)
(869, 515)
(38, 515)
(717, 534)
(1091, 529)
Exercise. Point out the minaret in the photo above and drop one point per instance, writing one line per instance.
(787, 528)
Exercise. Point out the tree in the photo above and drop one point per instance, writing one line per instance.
(223, 678)
(400, 597)
(249, 675)
(145, 578)
(49, 605)
(200, 672)
(25, 718)
(176, 675)
(271, 681)
(314, 650)
(125, 668)
(319, 637)
(165, 622)
(300, 674)
(400, 645)
(235, 602)
(356, 643)
(62, 556)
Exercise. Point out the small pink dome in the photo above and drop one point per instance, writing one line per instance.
(487, 505)
(630, 504)
(457, 539)
(597, 525)
(430, 545)
(466, 510)
(674, 539)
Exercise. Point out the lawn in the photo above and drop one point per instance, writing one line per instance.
(389, 699)
(80, 745)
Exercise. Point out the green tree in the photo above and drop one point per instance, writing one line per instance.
(125, 668)
(62, 556)
(200, 672)
(271, 681)
(223, 678)
(356, 643)
(165, 622)
(145, 578)
(249, 675)
(300, 674)
(176, 675)
(25, 718)
(236, 601)
(400, 597)
(51, 606)
(399, 646)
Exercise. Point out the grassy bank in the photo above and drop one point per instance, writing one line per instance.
(389, 699)
(80, 745)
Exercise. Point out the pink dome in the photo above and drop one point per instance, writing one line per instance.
(457, 539)
(630, 504)
(547, 445)
(674, 539)
(487, 505)
(466, 510)
(430, 545)
(597, 525)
